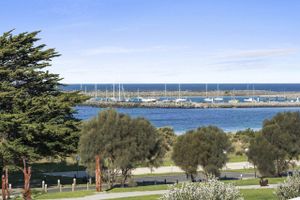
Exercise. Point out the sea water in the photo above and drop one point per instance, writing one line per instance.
(229, 119)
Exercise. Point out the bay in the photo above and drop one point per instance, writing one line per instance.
(229, 119)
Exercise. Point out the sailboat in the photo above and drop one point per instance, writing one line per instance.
(166, 98)
(113, 98)
(141, 99)
(179, 99)
(207, 99)
(218, 98)
(233, 99)
(249, 99)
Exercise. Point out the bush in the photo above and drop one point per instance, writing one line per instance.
(210, 190)
(290, 188)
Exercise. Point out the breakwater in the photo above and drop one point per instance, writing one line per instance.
(186, 93)
(104, 104)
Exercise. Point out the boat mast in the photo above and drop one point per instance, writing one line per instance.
(113, 90)
(119, 91)
(179, 90)
(165, 90)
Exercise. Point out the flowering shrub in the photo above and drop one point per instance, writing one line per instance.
(290, 188)
(210, 190)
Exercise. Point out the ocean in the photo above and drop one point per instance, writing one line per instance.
(182, 120)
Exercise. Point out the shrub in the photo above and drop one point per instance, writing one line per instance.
(290, 188)
(210, 190)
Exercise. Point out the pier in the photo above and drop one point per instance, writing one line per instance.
(189, 105)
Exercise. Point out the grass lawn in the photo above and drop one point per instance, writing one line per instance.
(258, 194)
(150, 197)
(254, 181)
(237, 158)
(59, 195)
(140, 188)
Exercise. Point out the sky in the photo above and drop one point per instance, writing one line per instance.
(164, 41)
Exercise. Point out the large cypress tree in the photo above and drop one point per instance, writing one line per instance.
(36, 117)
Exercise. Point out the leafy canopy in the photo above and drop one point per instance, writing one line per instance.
(123, 144)
(205, 146)
(36, 117)
(277, 145)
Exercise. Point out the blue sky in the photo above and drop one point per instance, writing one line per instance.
(165, 41)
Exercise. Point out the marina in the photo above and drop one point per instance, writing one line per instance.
(210, 97)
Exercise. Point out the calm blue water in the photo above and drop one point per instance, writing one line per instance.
(229, 119)
(186, 87)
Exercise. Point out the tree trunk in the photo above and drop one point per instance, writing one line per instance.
(125, 176)
(3, 187)
(6, 184)
(27, 176)
(98, 174)
(5, 190)
(192, 178)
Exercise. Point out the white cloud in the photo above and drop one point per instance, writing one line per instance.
(258, 53)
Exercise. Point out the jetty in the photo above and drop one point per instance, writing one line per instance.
(188, 105)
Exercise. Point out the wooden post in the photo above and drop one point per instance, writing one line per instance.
(46, 188)
(98, 174)
(43, 185)
(10, 189)
(27, 176)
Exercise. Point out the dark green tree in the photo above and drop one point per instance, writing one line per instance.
(262, 156)
(123, 144)
(185, 153)
(280, 143)
(206, 147)
(36, 117)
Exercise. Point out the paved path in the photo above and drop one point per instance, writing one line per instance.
(159, 170)
(105, 195)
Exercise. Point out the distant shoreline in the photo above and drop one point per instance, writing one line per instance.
(190, 105)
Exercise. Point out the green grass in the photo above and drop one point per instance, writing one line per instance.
(16, 178)
(149, 197)
(140, 188)
(237, 158)
(165, 187)
(254, 181)
(60, 195)
(253, 194)
(259, 194)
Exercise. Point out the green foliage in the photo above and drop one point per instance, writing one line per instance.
(210, 190)
(206, 146)
(290, 188)
(277, 145)
(261, 154)
(36, 118)
(122, 142)
(169, 136)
